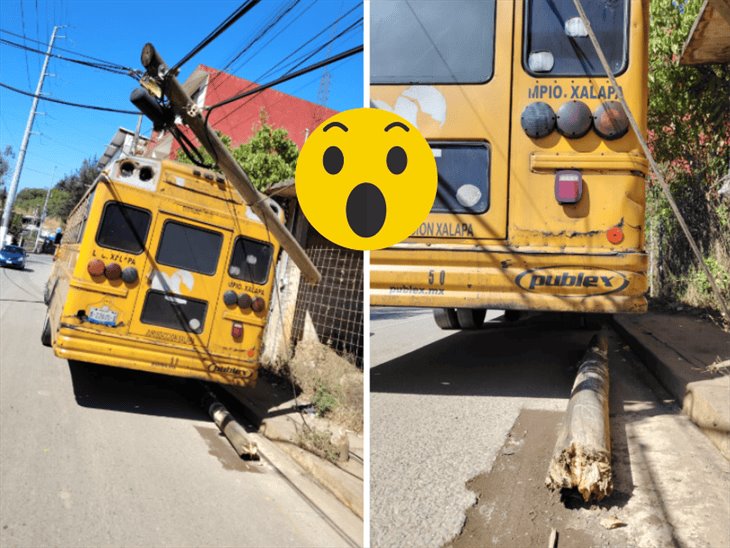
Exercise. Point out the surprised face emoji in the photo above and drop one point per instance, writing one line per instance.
(366, 179)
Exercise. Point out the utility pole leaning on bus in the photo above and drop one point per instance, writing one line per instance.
(10, 201)
(159, 79)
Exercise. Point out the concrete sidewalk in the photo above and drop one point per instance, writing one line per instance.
(270, 406)
(681, 350)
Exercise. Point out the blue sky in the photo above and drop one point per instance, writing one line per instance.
(117, 31)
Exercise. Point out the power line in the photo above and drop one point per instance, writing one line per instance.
(242, 10)
(291, 76)
(68, 103)
(216, 81)
(299, 60)
(22, 22)
(58, 48)
(109, 68)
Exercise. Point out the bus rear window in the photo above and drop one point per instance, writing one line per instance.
(189, 248)
(463, 172)
(251, 261)
(174, 312)
(435, 42)
(557, 43)
(123, 227)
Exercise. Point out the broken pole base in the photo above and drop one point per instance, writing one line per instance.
(582, 456)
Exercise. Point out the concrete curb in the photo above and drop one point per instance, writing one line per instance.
(345, 485)
(706, 401)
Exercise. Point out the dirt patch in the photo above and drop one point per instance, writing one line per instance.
(514, 508)
(333, 385)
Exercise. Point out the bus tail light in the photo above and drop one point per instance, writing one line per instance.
(130, 275)
(538, 120)
(113, 271)
(245, 301)
(237, 330)
(95, 267)
(230, 298)
(258, 304)
(610, 121)
(568, 186)
(574, 119)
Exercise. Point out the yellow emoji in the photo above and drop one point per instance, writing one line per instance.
(366, 179)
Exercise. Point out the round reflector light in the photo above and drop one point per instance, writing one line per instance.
(95, 267)
(538, 120)
(245, 300)
(113, 271)
(130, 275)
(610, 120)
(230, 298)
(615, 235)
(258, 304)
(574, 119)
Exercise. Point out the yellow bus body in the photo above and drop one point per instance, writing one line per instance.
(504, 257)
(194, 200)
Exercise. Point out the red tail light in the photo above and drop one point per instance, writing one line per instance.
(237, 330)
(95, 267)
(568, 186)
(113, 271)
(258, 304)
(244, 300)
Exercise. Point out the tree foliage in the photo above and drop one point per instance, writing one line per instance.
(6, 157)
(269, 157)
(30, 200)
(689, 133)
(75, 184)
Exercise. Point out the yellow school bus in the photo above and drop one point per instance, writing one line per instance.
(162, 268)
(540, 203)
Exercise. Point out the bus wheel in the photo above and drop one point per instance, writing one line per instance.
(46, 335)
(512, 315)
(471, 318)
(446, 318)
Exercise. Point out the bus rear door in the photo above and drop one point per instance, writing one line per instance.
(180, 287)
(446, 67)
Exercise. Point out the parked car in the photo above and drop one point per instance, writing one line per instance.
(13, 255)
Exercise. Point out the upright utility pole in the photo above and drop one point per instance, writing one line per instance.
(8, 211)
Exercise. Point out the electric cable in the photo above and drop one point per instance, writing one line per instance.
(109, 68)
(290, 76)
(242, 10)
(58, 48)
(68, 103)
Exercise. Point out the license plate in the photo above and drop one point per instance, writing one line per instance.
(102, 316)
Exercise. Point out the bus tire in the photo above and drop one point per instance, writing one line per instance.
(446, 318)
(46, 334)
(471, 318)
(512, 315)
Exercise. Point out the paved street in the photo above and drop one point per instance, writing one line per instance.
(95, 456)
(443, 401)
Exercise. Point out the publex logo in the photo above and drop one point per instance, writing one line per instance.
(568, 281)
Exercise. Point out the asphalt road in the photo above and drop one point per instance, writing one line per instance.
(442, 403)
(96, 456)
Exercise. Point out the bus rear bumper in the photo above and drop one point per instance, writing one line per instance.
(509, 279)
(86, 345)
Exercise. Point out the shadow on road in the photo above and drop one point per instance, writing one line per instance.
(395, 313)
(129, 391)
(521, 360)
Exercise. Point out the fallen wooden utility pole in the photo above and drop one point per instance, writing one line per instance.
(582, 455)
(192, 116)
(229, 427)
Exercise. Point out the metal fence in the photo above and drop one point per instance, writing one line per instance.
(334, 306)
